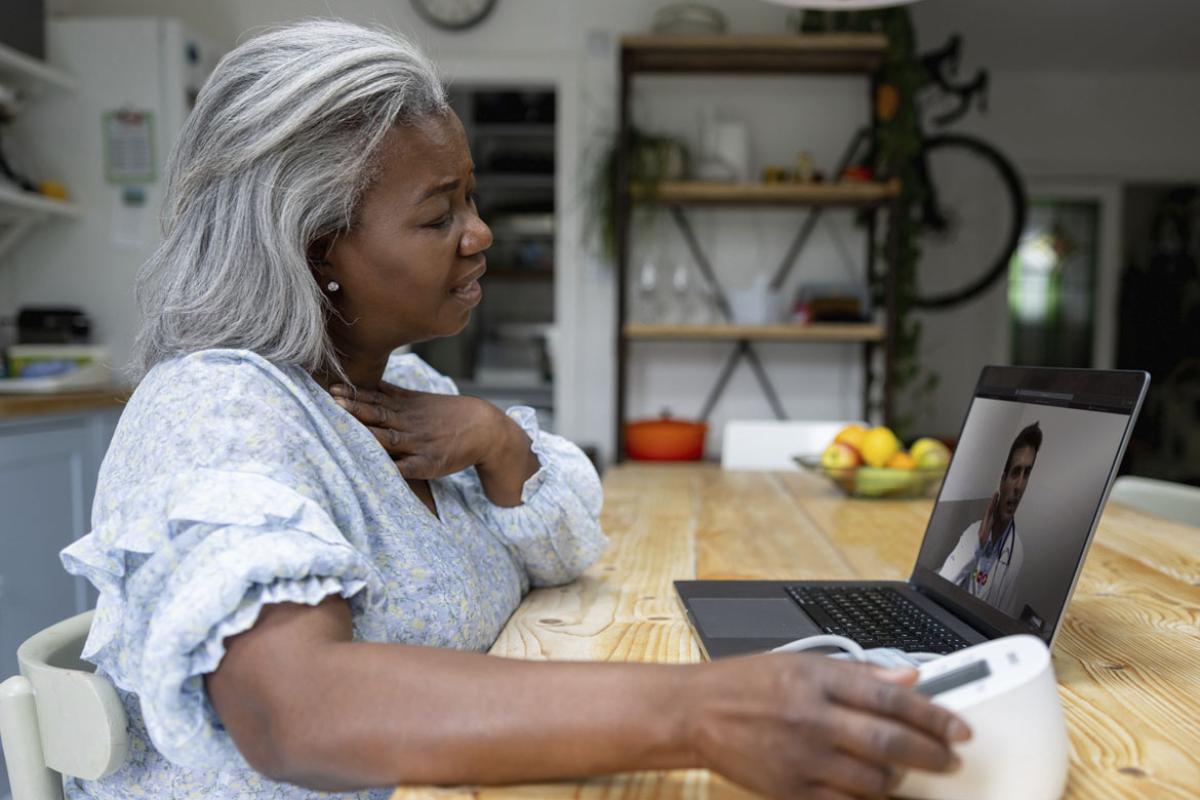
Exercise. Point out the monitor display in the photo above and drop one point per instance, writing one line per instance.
(1019, 501)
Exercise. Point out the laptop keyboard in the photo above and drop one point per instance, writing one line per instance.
(876, 617)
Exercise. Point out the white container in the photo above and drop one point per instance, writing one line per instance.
(756, 305)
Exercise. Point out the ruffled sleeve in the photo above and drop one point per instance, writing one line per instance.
(171, 593)
(556, 530)
(218, 496)
(555, 533)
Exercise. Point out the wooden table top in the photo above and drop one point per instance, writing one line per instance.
(1127, 658)
(33, 404)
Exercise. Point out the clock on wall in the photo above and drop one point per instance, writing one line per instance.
(454, 15)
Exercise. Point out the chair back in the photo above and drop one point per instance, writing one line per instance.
(771, 444)
(58, 716)
(1175, 501)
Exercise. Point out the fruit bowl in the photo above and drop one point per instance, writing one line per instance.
(881, 482)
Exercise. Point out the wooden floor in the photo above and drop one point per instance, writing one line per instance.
(1128, 658)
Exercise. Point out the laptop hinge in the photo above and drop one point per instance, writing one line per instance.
(990, 631)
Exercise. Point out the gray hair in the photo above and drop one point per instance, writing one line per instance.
(274, 157)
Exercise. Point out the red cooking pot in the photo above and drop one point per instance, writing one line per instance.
(665, 439)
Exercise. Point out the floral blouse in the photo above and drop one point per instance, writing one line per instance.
(231, 483)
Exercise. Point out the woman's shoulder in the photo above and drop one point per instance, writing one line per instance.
(221, 367)
(410, 371)
(210, 391)
(208, 380)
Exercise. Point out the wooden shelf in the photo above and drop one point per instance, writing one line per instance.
(521, 129)
(815, 332)
(516, 180)
(17, 202)
(821, 53)
(28, 72)
(20, 211)
(701, 193)
(519, 274)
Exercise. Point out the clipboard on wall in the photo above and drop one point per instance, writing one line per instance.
(129, 146)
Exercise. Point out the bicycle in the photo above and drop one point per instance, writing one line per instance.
(952, 230)
(943, 223)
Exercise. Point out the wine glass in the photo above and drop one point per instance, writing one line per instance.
(647, 293)
(681, 286)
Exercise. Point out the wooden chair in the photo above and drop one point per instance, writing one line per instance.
(771, 444)
(57, 717)
(1175, 501)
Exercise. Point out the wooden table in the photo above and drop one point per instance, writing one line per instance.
(1128, 658)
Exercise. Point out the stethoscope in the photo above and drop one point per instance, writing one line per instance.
(1008, 533)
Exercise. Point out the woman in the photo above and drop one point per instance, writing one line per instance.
(304, 545)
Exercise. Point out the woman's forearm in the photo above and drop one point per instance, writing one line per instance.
(378, 714)
(305, 704)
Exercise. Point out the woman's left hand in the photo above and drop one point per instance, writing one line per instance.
(433, 435)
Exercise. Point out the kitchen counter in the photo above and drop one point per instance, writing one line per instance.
(27, 405)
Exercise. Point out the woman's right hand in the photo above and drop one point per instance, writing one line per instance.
(808, 726)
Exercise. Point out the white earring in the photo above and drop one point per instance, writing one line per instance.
(333, 286)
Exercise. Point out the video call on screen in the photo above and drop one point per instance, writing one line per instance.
(1019, 500)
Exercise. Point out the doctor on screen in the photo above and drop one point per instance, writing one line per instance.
(987, 559)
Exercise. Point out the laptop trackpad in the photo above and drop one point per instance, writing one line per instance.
(750, 618)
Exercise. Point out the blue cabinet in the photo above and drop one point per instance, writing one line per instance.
(48, 469)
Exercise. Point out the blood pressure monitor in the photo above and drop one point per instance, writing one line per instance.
(1006, 691)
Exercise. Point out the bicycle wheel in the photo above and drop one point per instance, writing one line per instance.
(973, 223)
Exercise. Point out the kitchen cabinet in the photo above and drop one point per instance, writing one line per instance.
(506, 353)
(48, 469)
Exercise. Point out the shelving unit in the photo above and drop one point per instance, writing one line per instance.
(814, 54)
(21, 211)
(31, 75)
(504, 354)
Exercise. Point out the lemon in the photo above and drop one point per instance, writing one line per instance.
(879, 445)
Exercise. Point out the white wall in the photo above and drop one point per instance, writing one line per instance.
(1054, 119)
(574, 43)
(1073, 129)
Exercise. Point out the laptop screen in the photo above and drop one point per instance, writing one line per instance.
(1018, 505)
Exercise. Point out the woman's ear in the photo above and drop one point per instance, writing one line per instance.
(318, 261)
(318, 252)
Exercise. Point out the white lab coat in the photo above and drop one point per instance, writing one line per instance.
(1000, 591)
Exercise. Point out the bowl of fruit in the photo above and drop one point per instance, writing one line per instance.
(872, 462)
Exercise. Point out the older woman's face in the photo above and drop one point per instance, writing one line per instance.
(410, 269)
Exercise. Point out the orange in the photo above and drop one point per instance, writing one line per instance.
(902, 460)
(887, 102)
(852, 435)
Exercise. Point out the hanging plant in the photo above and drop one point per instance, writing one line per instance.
(653, 158)
(897, 147)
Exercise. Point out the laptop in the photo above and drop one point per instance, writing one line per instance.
(1016, 513)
